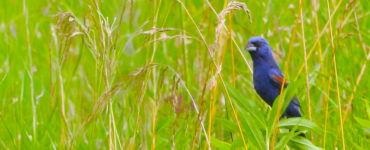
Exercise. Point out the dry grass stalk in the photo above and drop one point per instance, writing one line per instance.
(221, 22)
(156, 30)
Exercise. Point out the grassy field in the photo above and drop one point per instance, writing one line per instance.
(162, 74)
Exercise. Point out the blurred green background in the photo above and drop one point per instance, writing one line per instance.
(161, 74)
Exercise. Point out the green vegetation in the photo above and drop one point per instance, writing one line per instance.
(161, 74)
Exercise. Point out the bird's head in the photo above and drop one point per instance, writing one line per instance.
(259, 49)
(255, 44)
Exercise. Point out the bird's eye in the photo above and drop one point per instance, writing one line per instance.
(259, 43)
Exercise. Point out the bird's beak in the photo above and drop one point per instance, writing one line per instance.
(250, 47)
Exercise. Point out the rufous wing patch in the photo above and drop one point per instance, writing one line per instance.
(278, 78)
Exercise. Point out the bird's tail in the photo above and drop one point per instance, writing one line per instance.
(293, 110)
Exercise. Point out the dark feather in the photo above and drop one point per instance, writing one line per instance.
(296, 101)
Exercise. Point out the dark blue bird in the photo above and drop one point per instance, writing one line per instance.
(267, 76)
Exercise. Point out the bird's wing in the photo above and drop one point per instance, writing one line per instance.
(296, 101)
(277, 78)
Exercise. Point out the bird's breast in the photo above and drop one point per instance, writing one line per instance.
(264, 86)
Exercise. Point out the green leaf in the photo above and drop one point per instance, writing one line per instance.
(327, 96)
(357, 147)
(238, 142)
(228, 125)
(251, 119)
(252, 131)
(302, 143)
(248, 105)
(364, 123)
(303, 124)
(367, 130)
(165, 123)
(219, 144)
(285, 139)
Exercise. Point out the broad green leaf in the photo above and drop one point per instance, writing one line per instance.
(238, 142)
(302, 143)
(229, 125)
(364, 123)
(248, 105)
(252, 131)
(285, 139)
(302, 124)
(367, 130)
(219, 144)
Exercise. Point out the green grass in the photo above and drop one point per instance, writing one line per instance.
(160, 74)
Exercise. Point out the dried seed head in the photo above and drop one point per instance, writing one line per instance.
(235, 6)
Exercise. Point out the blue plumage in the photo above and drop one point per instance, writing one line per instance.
(267, 76)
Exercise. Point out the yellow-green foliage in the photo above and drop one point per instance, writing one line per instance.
(161, 74)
